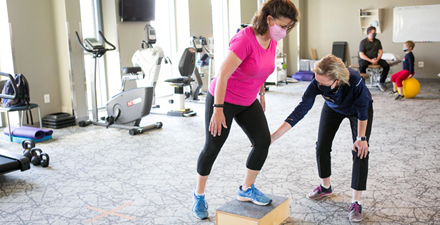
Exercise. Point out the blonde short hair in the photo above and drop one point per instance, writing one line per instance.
(333, 67)
(410, 44)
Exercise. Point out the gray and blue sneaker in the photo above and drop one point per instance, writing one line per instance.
(355, 212)
(253, 195)
(200, 207)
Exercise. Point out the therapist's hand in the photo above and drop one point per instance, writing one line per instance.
(361, 147)
(217, 121)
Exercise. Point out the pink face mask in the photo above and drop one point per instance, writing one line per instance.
(276, 32)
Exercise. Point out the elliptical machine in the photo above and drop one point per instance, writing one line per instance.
(126, 109)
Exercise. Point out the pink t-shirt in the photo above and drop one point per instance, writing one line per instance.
(257, 64)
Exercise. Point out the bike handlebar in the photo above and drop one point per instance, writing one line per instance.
(97, 52)
(108, 49)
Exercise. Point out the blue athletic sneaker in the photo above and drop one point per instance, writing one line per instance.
(200, 207)
(254, 195)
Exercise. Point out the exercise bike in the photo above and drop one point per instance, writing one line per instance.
(126, 109)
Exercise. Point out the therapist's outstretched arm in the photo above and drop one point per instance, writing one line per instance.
(280, 131)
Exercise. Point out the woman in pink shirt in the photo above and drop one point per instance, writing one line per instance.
(232, 95)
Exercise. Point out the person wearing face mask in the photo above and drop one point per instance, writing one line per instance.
(370, 52)
(406, 73)
(233, 95)
(346, 96)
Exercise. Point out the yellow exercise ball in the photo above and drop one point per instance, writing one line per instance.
(411, 87)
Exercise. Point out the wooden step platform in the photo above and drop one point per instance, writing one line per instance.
(238, 213)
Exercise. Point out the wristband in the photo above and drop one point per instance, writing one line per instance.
(262, 93)
(361, 138)
(218, 105)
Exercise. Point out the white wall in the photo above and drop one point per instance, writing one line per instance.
(200, 18)
(62, 49)
(35, 52)
(248, 10)
(6, 58)
(291, 44)
(67, 18)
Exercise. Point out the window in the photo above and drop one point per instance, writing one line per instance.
(6, 58)
(164, 24)
(91, 22)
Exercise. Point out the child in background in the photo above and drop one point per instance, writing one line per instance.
(406, 73)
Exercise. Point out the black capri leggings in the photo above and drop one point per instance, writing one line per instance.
(253, 122)
(328, 125)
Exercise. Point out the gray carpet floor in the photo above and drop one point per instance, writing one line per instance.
(105, 176)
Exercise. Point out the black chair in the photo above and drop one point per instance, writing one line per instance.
(21, 111)
(339, 49)
(186, 70)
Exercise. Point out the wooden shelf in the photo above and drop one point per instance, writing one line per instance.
(370, 20)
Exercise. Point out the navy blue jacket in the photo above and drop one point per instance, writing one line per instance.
(408, 62)
(349, 100)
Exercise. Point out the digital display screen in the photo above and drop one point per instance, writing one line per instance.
(137, 10)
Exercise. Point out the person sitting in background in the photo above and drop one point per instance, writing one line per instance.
(370, 52)
(406, 73)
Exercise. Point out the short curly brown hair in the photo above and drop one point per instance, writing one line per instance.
(276, 9)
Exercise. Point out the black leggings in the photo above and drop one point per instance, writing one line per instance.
(328, 125)
(253, 122)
